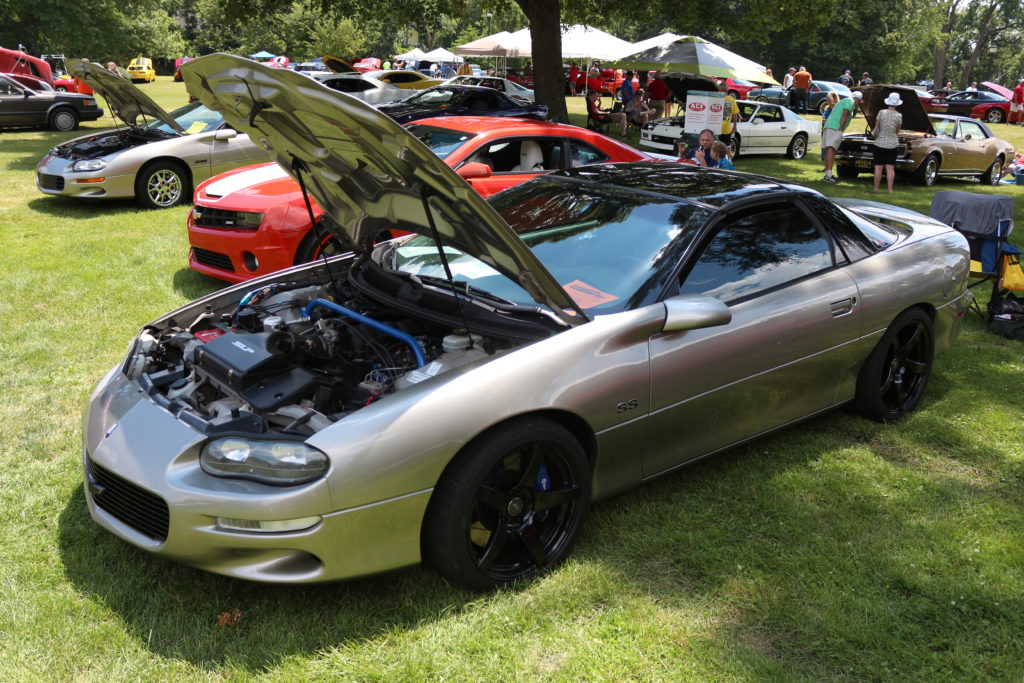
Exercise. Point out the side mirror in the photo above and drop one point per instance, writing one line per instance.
(694, 312)
(967, 137)
(225, 134)
(757, 121)
(474, 169)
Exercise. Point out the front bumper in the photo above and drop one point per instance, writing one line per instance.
(54, 176)
(859, 155)
(239, 254)
(144, 484)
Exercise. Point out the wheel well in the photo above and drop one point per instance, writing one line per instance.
(59, 108)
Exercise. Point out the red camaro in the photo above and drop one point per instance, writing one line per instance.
(252, 221)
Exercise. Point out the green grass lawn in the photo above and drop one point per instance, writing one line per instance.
(837, 549)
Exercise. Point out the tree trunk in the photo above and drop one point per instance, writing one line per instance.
(942, 46)
(546, 34)
(984, 35)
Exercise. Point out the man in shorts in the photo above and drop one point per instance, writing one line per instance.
(730, 115)
(832, 132)
(1017, 104)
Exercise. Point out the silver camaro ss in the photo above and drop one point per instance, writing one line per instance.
(461, 396)
(157, 158)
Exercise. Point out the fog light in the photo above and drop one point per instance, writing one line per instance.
(268, 527)
(250, 261)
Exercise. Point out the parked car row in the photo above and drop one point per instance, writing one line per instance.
(461, 396)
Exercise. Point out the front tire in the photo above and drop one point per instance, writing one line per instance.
(162, 185)
(64, 119)
(991, 176)
(994, 115)
(509, 507)
(893, 378)
(822, 106)
(761, 98)
(846, 172)
(928, 172)
(797, 147)
(61, 88)
(313, 246)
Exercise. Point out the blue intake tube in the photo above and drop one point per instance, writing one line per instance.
(421, 358)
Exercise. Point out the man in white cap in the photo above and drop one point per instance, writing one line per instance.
(1017, 104)
(832, 131)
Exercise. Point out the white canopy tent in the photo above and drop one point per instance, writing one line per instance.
(496, 45)
(442, 55)
(414, 53)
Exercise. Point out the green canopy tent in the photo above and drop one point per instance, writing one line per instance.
(693, 54)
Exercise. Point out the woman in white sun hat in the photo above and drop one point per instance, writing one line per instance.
(886, 133)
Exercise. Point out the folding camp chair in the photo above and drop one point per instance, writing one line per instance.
(986, 221)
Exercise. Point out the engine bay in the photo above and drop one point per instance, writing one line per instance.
(293, 357)
(108, 142)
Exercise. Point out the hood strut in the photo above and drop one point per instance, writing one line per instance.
(444, 262)
(298, 165)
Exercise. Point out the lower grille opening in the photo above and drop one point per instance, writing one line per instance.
(140, 509)
(51, 182)
(213, 259)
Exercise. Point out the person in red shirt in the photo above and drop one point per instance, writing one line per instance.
(801, 83)
(574, 75)
(1017, 104)
(658, 95)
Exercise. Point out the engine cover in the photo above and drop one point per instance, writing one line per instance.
(239, 360)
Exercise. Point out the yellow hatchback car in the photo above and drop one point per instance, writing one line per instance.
(141, 70)
(407, 80)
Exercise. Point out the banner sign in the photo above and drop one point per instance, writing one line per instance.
(704, 109)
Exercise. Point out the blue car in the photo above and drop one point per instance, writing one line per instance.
(816, 94)
(462, 100)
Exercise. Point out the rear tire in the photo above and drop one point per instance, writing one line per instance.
(63, 119)
(61, 88)
(761, 98)
(797, 147)
(893, 378)
(509, 507)
(991, 176)
(733, 94)
(734, 145)
(994, 115)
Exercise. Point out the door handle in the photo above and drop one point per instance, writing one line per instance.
(841, 308)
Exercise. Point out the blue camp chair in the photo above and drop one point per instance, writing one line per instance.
(986, 221)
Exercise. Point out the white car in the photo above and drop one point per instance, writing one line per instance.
(510, 88)
(763, 129)
(366, 88)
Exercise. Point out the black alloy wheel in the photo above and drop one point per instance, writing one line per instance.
(892, 380)
(509, 507)
(314, 246)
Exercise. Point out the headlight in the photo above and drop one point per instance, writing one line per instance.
(90, 102)
(89, 165)
(279, 463)
(251, 219)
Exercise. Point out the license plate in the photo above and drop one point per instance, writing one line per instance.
(862, 163)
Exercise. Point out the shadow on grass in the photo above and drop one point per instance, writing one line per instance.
(173, 610)
(193, 285)
(83, 208)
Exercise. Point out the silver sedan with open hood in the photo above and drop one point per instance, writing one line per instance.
(462, 395)
(156, 157)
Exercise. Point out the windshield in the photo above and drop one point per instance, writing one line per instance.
(441, 141)
(610, 249)
(438, 97)
(193, 118)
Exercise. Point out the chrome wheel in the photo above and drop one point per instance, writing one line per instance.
(164, 187)
(797, 147)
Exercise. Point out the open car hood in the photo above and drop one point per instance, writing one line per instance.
(126, 101)
(680, 83)
(338, 66)
(364, 169)
(914, 116)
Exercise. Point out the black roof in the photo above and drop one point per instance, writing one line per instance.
(710, 187)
